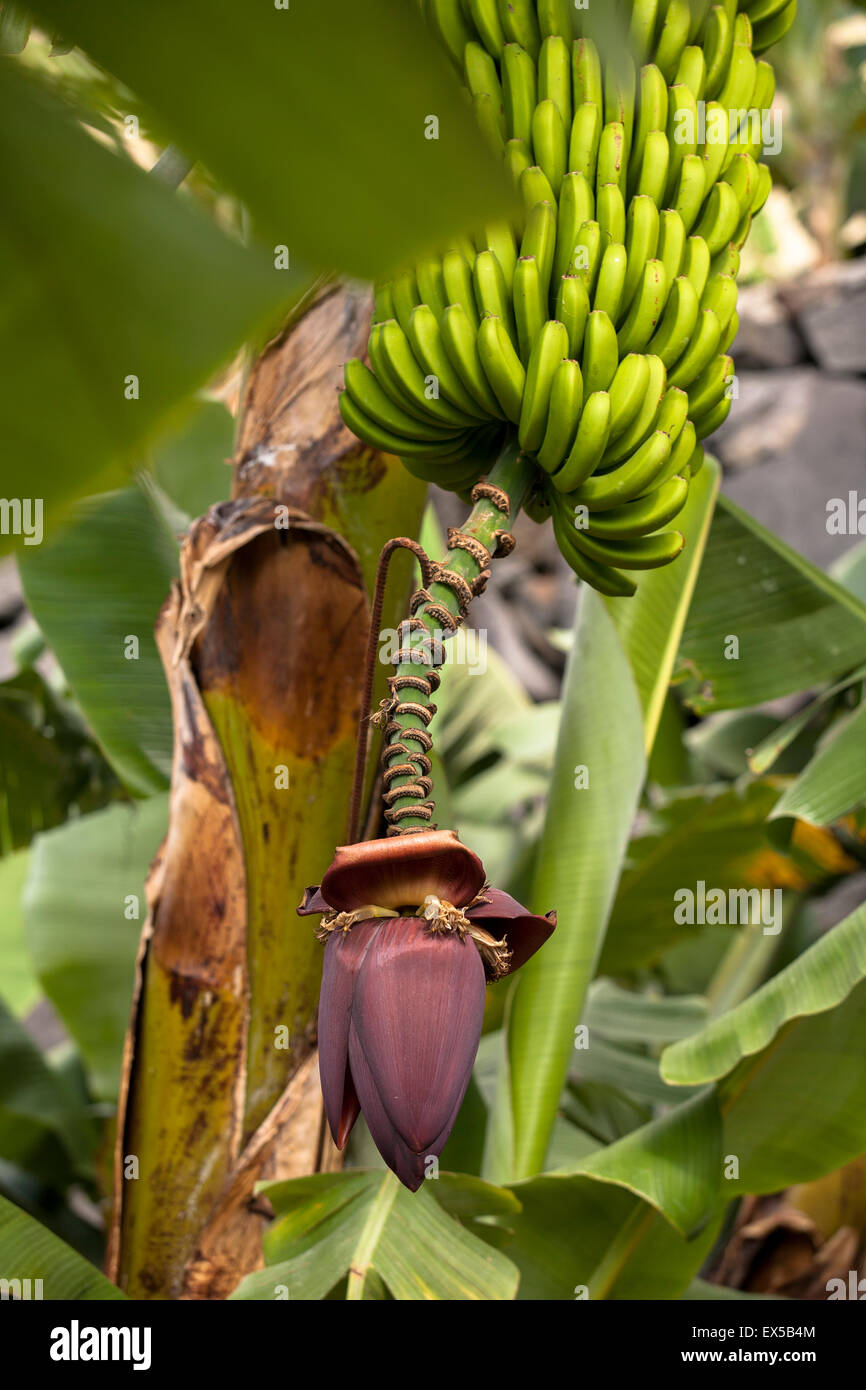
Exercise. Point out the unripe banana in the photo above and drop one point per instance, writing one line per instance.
(611, 167)
(672, 244)
(628, 392)
(428, 347)
(539, 240)
(499, 238)
(491, 294)
(502, 367)
(572, 309)
(673, 38)
(692, 71)
(601, 577)
(652, 114)
(554, 18)
(566, 400)
(698, 354)
(459, 335)
(554, 76)
(485, 16)
(530, 305)
(549, 142)
(611, 281)
(431, 285)
(519, 91)
(586, 74)
(576, 206)
(377, 437)
(646, 309)
(367, 395)
(610, 213)
(643, 424)
(718, 43)
(710, 388)
(589, 444)
(404, 368)
(549, 350)
(457, 279)
(641, 242)
(716, 146)
(690, 190)
(645, 553)
(450, 24)
(642, 517)
(588, 253)
(720, 218)
(635, 477)
(696, 263)
(600, 355)
(520, 24)
(678, 322)
(584, 141)
(535, 187)
(653, 177)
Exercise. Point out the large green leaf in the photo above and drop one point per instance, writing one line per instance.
(795, 626)
(579, 862)
(624, 1015)
(714, 835)
(835, 780)
(95, 589)
(368, 1226)
(789, 1065)
(49, 765)
(673, 1163)
(84, 880)
(104, 276)
(19, 986)
(30, 1251)
(326, 140)
(42, 1128)
(651, 624)
(575, 1233)
(191, 465)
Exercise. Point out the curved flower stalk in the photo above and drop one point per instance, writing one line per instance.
(595, 330)
(412, 934)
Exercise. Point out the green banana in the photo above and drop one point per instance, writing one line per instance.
(428, 347)
(646, 309)
(572, 309)
(590, 442)
(677, 323)
(530, 307)
(642, 517)
(566, 399)
(627, 392)
(600, 355)
(502, 367)
(601, 577)
(644, 553)
(632, 479)
(549, 350)
(459, 335)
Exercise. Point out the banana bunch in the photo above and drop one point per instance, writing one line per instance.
(598, 326)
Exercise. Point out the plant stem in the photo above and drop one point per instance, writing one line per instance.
(513, 474)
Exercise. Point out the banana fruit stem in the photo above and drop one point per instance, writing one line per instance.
(512, 474)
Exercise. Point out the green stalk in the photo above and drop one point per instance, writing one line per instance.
(513, 474)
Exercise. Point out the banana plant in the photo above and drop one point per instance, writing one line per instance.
(550, 334)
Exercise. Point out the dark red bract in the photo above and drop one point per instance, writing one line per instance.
(402, 999)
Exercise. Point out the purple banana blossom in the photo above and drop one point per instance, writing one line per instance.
(412, 938)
